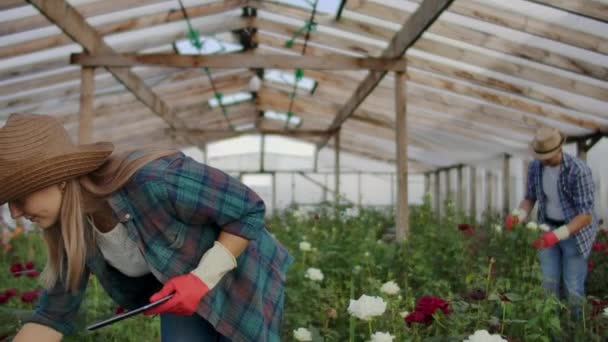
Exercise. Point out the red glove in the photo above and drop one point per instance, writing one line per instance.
(188, 289)
(511, 221)
(546, 240)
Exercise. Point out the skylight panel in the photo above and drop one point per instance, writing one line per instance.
(210, 46)
(231, 99)
(288, 78)
(272, 115)
(323, 6)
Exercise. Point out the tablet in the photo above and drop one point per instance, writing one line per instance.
(127, 314)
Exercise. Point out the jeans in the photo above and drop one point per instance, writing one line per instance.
(564, 268)
(176, 328)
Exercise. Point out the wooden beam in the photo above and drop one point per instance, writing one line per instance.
(401, 139)
(296, 133)
(242, 60)
(75, 26)
(594, 9)
(87, 105)
(412, 29)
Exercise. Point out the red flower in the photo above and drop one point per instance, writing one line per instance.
(598, 246)
(10, 293)
(466, 229)
(428, 305)
(597, 306)
(16, 269)
(30, 296)
(4, 298)
(33, 274)
(590, 266)
(418, 317)
(119, 309)
(29, 265)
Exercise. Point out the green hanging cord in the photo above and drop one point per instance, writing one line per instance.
(289, 115)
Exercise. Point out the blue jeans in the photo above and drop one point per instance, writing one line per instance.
(176, 328)
(564, 268)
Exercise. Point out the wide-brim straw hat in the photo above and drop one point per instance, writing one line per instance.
(547, 143)
(37, 152)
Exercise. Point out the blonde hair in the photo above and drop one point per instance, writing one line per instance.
(68, 241)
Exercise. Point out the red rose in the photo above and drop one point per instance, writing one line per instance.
(590, 266)
(418, 317)
(16, 269)
(119, 309)
(29, 265)
(428, 305)
(464, 226)
(29, 297)
(10, 293)
(4, 298)
(597, 306)
(33, 274)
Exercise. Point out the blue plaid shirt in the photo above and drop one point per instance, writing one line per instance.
(576, 196)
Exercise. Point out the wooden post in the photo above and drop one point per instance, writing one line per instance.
(459, 189)
(506, 184)
(448, 185)
(262, 151)
(274, 193)
(87, 110)
(205, 152)
(337, 169)
(402, 218)
(473, 191)
(427, 183)
(392, 178)
(437, 193)
(489, 184)
(293, 188)
(526, 164)
(325, 189)
(359, 194)
(581, 150)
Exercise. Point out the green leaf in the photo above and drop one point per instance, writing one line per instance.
(299, 74)
(289, 43)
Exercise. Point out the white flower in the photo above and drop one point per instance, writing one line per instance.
(305, 246)
(367, 307)
(497, 228)
(381, 337)
(314, 274)
(390, 288)
(605, 313)
(404, 314)
(532, 225)
(302, 334)
(544, 227)
(366, 254)
(356, 269)
(516, 212)
(484, 336)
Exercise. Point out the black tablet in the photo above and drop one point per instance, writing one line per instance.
(127, 314)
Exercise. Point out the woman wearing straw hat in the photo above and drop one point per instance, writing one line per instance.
(147, 224)
(564, 189)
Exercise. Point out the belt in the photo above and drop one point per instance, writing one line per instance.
(554, 223)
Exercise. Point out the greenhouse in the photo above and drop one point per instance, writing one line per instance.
(304, 170)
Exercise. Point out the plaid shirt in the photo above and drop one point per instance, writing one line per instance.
(576, 196)
(174, 209)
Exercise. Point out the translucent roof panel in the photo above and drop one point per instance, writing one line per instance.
(272, 115)
(231, 99)
(210, 46)
(323, 6)
(290, 79)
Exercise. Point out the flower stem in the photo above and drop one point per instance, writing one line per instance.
(370, 328)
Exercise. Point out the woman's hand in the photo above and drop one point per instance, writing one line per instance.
(187, 289)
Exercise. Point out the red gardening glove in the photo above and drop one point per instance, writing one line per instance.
(188, 291)
(546, 240)
(510, 221)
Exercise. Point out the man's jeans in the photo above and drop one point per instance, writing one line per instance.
(564, 262)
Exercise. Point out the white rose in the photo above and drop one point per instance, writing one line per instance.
(390, 288)
(532, 225)
(302, 334)
(367, 307)
(314, 274)
(484, 336)
(544, 227)
(516, 212)
(305, 246)
(498, 228)
(381, 337)
(404, 314)
(605, 313)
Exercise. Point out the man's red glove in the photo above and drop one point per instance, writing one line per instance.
(549, 239)
(188, 289)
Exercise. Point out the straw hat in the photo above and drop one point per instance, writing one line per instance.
(547, 142)
(36, 152)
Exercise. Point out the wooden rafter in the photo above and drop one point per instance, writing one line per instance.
(412, 29)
